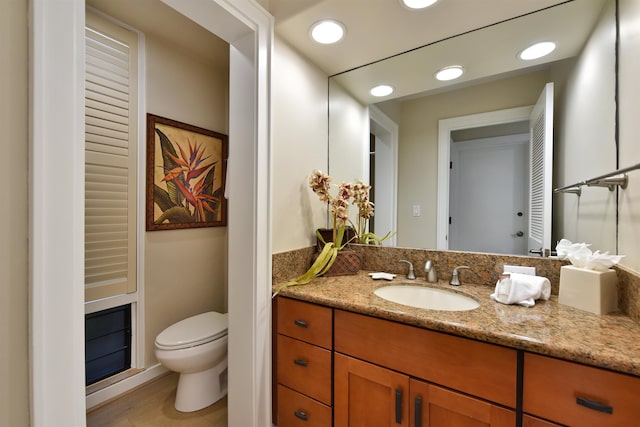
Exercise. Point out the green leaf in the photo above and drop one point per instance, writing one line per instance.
(167, 147)
(161, 198)
(320, 266)
(175, 215)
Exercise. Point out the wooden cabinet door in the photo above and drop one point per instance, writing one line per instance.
(433, 406)
(367, 395)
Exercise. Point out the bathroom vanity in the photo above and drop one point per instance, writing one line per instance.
(344, 354)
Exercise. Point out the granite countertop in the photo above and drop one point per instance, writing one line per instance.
(549, 328)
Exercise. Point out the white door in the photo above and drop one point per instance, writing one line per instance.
(489, 195)
(541, 165)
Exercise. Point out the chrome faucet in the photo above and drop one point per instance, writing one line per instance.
(430, 273)
(455, 281)
(411, 275)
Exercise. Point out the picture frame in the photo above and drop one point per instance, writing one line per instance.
(186, 175)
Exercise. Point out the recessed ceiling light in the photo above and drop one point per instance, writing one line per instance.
(450, 73)
(328, 31)
(537, 50)
(417, 4)
(381, 90)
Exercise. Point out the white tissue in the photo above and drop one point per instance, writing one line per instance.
(380, 275)
(581, 256)
(522, 289)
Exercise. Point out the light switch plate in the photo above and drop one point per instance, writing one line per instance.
(531, 271)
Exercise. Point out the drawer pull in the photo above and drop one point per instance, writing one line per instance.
(595, 405)
(301, 323)
(418, 412)
(398, 406)
(301, 362)
(302, 415)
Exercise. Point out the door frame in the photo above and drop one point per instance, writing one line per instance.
(445, 127)
(56, 233)
(391, 129)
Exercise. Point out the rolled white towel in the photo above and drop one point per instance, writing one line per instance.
(522, 289)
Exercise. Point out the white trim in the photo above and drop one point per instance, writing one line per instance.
(56, 232)
(445, 127)
(137, 359)
(56, 217)
(382, 120)
(127, 384)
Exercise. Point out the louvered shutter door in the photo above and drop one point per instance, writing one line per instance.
(110, 159)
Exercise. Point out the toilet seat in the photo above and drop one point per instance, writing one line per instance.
(193, 331)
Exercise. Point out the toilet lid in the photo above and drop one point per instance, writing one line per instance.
(196, 330)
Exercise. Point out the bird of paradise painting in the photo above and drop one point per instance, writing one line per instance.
(186, 168)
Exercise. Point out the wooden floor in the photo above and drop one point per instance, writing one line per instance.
(152, 406)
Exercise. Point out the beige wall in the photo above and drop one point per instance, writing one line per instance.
(299, 145)
(629, 107)
(185, 270)
(14, 375)
(418, 145)
(585, 141)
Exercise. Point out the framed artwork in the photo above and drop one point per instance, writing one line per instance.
(186, 171)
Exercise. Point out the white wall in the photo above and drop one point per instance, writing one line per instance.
(585, 142)
(14, 374)
(299, 140)
(629, 107)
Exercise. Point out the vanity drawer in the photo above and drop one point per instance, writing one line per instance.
(304, 321)
(297, 410)
(305, 368)
(574, 394)
(480, 369)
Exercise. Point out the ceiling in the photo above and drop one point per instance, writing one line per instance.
(377, 29)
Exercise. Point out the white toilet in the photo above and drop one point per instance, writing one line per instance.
(196, 348)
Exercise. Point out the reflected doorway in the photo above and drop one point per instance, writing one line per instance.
(488, 194)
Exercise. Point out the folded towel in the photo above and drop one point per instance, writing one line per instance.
(522, 289)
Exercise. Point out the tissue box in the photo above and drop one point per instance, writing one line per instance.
(589, 290)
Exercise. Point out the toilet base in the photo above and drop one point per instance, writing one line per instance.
(200, 389)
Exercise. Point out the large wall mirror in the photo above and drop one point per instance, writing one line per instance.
(449, 161)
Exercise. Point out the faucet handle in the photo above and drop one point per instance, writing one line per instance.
(411, 275)
(455, 280)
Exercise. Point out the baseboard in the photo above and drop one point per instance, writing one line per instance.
(117, 389)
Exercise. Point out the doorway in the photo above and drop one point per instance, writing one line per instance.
(383, 173)
(488, 196)
(56, 244)
(447, 127)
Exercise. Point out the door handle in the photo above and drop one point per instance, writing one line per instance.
(518, 234)
(398, 406)
(301, 323)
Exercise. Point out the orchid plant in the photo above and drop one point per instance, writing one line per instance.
(320, 183)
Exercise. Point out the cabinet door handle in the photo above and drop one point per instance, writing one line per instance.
(301, 362)
(417, 416)
(594, 404)
(301, 323)
(398, 406)
(302, 415)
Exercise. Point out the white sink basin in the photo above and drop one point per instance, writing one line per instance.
(429, 298)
